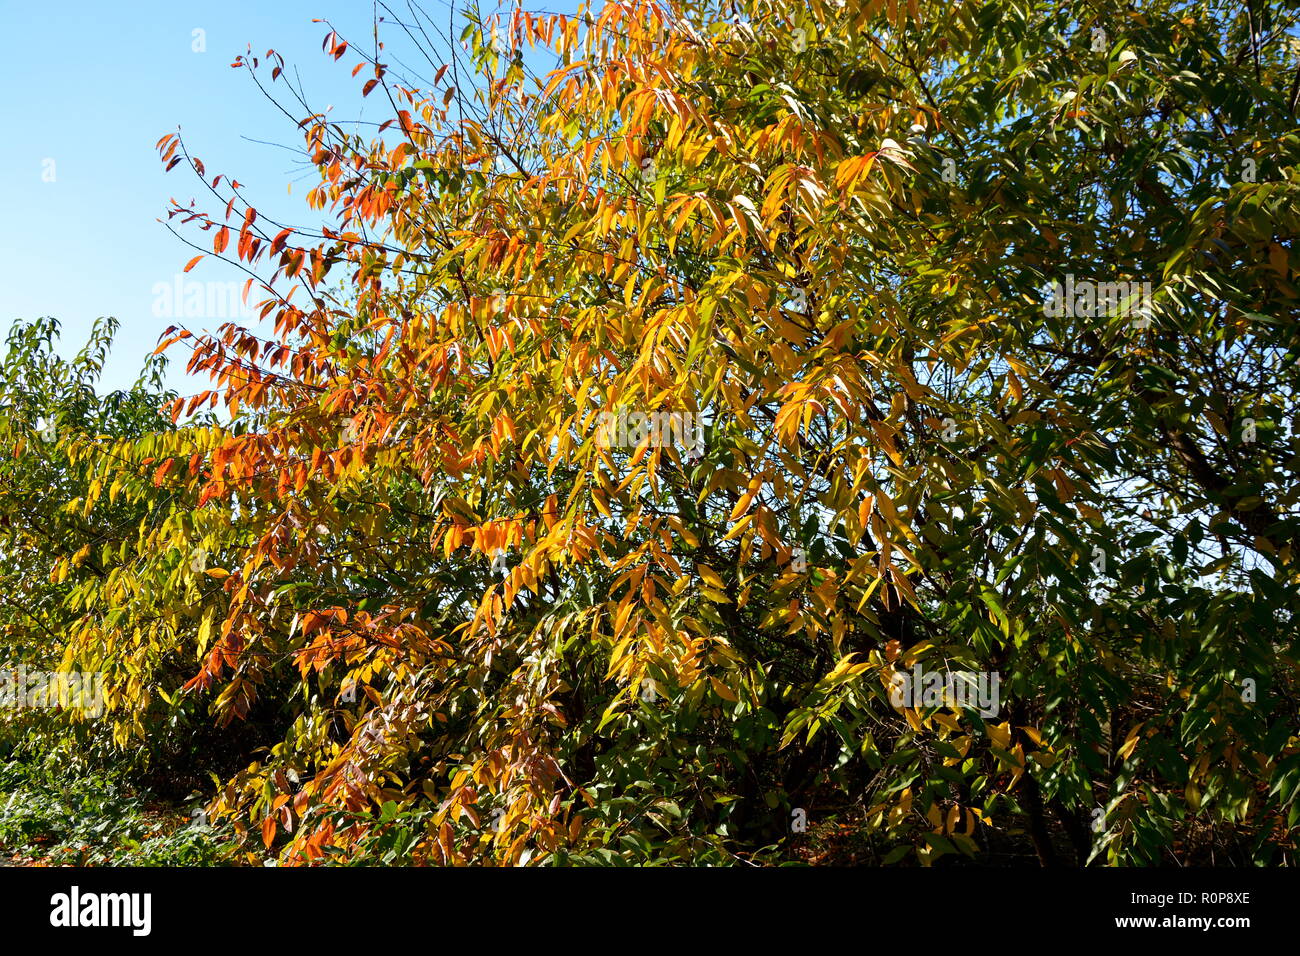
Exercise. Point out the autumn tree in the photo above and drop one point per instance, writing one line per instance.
(666, 385)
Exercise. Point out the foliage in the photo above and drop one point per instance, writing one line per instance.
(88, 586)
(480, 630)
(56, 817)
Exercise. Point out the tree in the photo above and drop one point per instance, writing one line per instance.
(651, 428)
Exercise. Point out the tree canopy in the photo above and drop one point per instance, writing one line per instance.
(679, 406)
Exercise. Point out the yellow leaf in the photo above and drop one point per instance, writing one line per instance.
(739, 528)
(722, 690)
(710, 576)
(741, 506)
(1131, 742)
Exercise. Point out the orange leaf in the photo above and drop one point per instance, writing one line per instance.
(192, 263)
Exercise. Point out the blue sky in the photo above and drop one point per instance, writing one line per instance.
(92, 86)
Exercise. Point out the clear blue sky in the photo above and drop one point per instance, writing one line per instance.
(93, 85)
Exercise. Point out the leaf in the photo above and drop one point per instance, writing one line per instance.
(722, 690)
(710, 577)
(896, 854)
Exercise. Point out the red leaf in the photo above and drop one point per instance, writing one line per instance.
(219, 241)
